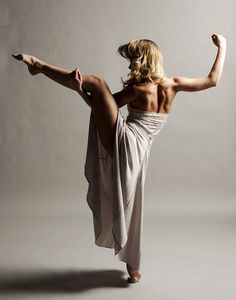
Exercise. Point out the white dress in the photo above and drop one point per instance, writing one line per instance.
(116, 185)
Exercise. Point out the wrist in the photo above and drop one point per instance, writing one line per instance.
(222, 47)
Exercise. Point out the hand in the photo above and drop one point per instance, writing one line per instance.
(219, 40)
(76, 80)
(32, 62)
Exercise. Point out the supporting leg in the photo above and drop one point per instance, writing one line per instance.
(134, 274)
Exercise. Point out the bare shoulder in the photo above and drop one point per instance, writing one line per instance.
(168, 82)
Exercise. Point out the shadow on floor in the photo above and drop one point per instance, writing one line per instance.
(71, 281)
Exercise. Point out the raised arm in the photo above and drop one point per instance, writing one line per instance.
(201, 83)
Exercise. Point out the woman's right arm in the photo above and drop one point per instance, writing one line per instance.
(201, 83)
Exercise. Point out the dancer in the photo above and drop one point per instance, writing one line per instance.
(118, 148)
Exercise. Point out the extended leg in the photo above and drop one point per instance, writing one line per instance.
(103, 104)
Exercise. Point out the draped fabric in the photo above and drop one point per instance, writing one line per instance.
(116, 185)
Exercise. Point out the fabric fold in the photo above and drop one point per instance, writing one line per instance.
(116, 185)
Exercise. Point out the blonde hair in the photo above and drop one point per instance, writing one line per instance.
(146, 60)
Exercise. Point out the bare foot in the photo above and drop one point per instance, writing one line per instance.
(134, 274)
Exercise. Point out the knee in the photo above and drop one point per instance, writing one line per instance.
(97, 81)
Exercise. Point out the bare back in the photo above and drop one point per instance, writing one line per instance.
(156, 97)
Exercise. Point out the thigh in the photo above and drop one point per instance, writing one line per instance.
(104, 111)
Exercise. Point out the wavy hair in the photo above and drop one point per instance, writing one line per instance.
(146, 61)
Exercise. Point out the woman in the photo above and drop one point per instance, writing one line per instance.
(118, 148)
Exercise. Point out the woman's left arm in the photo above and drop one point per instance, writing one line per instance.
(124, 96)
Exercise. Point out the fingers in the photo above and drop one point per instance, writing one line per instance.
(77, 73)
(217, 36)
(76, 79)
(213, 36)
(78, 76)
(219, 40)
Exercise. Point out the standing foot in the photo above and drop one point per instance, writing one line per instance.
(134, 274)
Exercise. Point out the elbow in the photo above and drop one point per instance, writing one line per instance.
(212, 82)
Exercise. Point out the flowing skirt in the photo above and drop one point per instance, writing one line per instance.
(116, 185)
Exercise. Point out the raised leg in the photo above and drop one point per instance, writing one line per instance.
(103, 105)
(104, 109)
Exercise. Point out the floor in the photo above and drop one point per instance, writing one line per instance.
(48, 253)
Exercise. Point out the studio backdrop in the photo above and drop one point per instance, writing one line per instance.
(44, 126)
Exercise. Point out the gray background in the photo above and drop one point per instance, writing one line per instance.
(43, 141)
